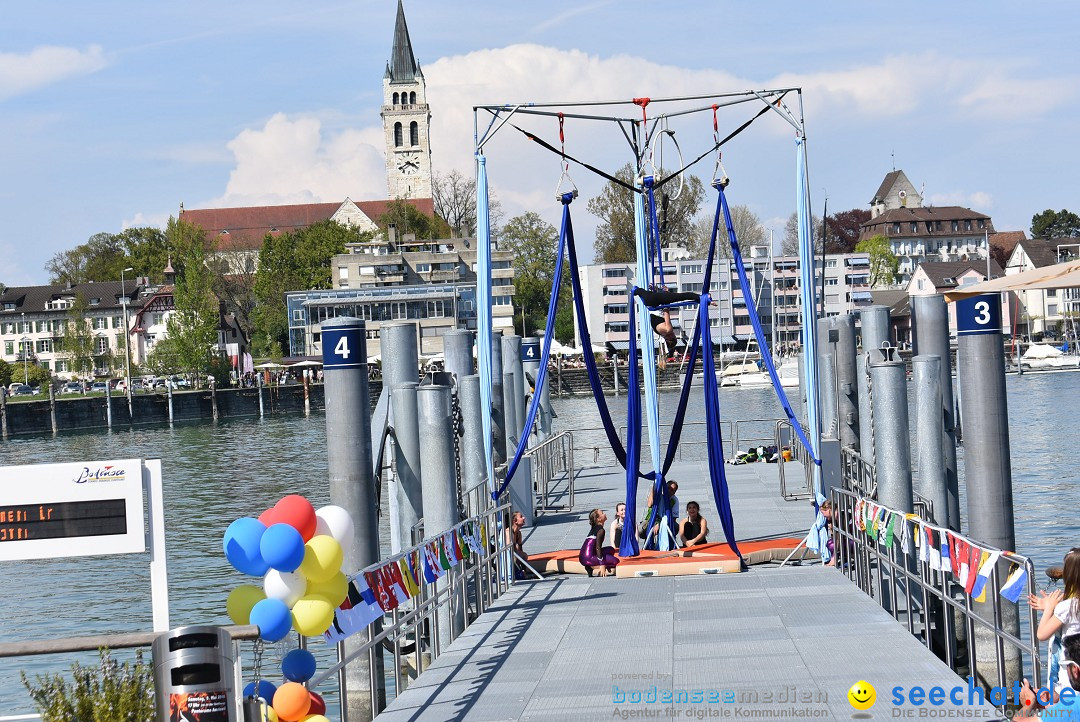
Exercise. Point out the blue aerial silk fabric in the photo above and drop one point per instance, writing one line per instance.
(483, 313)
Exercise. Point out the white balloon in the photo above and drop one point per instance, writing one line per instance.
(336, 522)
(286, 586)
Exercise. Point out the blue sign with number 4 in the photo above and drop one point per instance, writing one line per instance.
(343, 347)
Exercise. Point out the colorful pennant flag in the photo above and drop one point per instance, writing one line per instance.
(946, 561)
(935, 553)
(1014, 585)
(354, 615)
(986, 568)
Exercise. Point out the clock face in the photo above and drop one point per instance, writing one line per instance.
(408, 167)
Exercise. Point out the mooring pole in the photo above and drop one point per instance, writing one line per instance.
(440, 494)
(874, 322)
(458, 353)
(828, 337)
(352, 487)
(987, 465)
(472, 444)
(407, 506)
(892, 442)
(400, 367)
(108, 405)
(929, 423)
(930, 322)
(530, 367)
(847, 381)
(52, 408)
(499, 418)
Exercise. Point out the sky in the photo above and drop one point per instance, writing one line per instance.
(115, 113)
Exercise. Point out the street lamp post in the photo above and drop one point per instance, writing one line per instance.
(26, 359)
(127, 337)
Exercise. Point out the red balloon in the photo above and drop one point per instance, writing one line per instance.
(297, 512)
(318, 705)
(268, 517)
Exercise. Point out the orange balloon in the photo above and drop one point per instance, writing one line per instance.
(292, 701)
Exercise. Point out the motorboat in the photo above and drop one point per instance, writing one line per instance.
(1042, 356)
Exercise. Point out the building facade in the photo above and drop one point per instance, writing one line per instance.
(940, 277)
(1040, 313)
(432, 283)
(406, 119)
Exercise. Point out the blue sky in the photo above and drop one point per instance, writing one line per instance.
(112, 115)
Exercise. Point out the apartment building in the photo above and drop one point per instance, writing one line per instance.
(430, 282)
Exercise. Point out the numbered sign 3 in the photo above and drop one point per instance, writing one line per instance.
(344, 346)
(978, 315)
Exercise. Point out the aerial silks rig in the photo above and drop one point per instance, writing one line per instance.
(645, 137)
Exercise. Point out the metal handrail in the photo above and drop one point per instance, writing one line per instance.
(550, 459)
(933, 598)
(489, 574)
(800, 454)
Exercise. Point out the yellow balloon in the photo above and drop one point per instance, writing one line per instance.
(314, 718)
(312, 615)
(322, 558)
(241, 600)
(335, 589)
(268, 713)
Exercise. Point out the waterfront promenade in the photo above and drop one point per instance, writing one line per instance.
(768, 643)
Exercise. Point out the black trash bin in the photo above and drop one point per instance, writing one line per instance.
(195, 676)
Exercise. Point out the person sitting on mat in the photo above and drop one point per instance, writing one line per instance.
(514, 538)
(593, 552)
(693, 529)
(652, 537)
(617, 524)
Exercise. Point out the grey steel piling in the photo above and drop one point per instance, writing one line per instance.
(847, 381)
(931, 483)
(400, 365)
(892, 442)
(874, 323)
(930, 323)
(440, 493)
(530, 367)
(352, 487)
(108, 406)
(499, 422)
(827, 400)
(511, 358)
(458, 353)
(472, 444)
(406, 494)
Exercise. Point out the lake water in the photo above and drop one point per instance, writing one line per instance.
(215, 473)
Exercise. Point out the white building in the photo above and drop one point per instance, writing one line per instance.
(1040, 312)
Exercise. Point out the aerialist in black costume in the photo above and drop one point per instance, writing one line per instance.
(662, 324)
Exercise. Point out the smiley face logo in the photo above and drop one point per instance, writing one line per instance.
(862, 695)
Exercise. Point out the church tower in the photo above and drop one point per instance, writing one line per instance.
(406, 120)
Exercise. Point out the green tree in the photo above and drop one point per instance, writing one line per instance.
(615, 236)
(39, 377)
(5, 373)
(77, 340)
(407, 219)
(298, 261)
(105, 255)
(193, 325)
(534, 242)
(883, 264)
(163, 359)
(1055, 224)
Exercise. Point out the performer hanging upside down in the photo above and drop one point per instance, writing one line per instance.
(662, 324)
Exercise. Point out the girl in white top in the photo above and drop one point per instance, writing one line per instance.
(1061, 610)
(615, 529)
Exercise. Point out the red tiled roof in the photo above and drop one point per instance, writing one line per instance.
(243, 229)
(1007, 240)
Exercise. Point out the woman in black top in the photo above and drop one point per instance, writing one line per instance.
(693, 529)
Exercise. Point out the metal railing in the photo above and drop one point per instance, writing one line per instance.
(553, 460)
(413, 631)
(859, 476)
(735, 434)
(785, 436)
(933, 604)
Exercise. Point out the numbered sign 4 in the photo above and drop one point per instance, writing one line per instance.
(344, 346)
(530, 351)
(978, 315)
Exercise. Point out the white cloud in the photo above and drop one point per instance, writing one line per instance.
(976, 200)
(21, 73)
(142, 220)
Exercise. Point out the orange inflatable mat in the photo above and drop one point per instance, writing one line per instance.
(714, 558)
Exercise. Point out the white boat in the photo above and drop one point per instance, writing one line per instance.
(1041, 356)
(788, 371)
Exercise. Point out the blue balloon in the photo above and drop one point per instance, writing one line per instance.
(272, 618)
(241, 544)
(266, 690)
(282, 547)
(298, 665)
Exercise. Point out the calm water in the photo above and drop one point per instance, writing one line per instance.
(214, 473)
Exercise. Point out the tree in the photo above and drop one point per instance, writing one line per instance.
(39, 377)
(234, 285)
(615, 236)
(534, 242)
(790, 245)
(883, 264)
(294, 262)
(105, 255)
(454, 197)
(407, 219)
(843, 230)
(1055, 224)
(77, 340)
(747, 226)
(193, 325)
(5, 373)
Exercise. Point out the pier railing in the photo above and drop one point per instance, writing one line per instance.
(551, 461)
(417, 632)
(971, 637)
(785, 436)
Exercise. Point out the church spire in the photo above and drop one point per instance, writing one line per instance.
(403, 66)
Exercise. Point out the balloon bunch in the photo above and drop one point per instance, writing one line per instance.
(298, 552)
(291, 702)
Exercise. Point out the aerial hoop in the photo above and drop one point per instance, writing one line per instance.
(657, 142)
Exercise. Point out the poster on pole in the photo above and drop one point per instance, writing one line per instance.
(73, 509)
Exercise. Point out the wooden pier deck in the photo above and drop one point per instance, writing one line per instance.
(767, 643)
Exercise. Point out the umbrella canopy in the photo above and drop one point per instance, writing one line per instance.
(269, 365)
(303, 364)
(1059, 275)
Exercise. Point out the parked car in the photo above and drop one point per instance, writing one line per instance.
(23, 390)
(137, 385)
(99, 387)
(71, 387)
